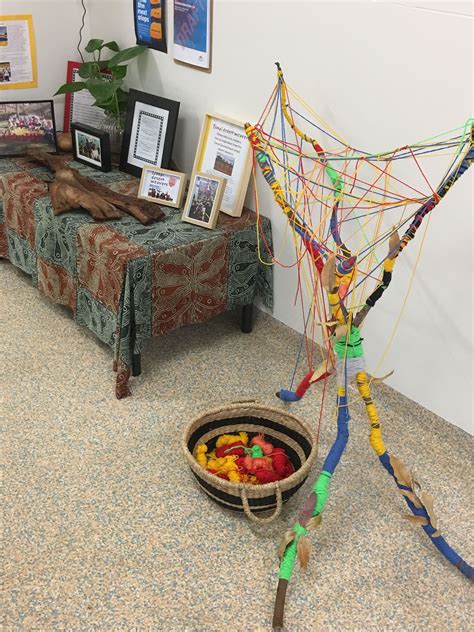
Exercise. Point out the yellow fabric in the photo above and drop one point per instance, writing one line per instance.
(388, 264)
(376, 440)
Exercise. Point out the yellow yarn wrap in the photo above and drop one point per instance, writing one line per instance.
(228, 439)
(376, 440)
(388, 264)
(201, 455)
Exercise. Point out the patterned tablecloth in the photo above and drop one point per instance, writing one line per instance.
(124, 281)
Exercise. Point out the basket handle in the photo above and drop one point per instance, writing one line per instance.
(253, 517)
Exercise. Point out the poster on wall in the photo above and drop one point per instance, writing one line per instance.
(150, 19)
(224, 151)
(79, 106)
(17, 53)
(192, 33)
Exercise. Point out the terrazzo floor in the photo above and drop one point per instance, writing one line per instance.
(105, 529)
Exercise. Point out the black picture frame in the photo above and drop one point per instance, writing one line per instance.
(104, 161)
(11, 147)
(148, 133)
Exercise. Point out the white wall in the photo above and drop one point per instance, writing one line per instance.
(56, 26)
(382, 73)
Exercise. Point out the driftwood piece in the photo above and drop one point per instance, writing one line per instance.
(70, 191)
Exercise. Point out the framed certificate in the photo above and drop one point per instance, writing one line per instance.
(225, 151)
(150, 128)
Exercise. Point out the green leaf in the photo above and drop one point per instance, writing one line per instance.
(112, 46)
(71, 87)
(88, 69)
(126, 55)
(119, 72)
(103, 64)
(93, 45)
(122, 96)
(103, 91)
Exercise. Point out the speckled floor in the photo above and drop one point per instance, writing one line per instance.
(105, 529)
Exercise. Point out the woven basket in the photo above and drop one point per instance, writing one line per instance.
(279, 427)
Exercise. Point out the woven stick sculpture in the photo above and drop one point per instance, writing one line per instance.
(321, 192)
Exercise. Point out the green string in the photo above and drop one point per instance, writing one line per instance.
(321, 488)
(287, 563)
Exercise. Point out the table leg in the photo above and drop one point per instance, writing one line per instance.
(136, 364)
(246, 323)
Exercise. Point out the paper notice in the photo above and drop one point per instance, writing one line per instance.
(17, 53)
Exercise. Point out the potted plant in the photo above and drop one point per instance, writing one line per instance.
(104, 78)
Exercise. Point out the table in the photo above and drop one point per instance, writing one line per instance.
(124, 281)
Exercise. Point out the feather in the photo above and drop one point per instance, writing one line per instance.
(417, 520)
(413, 497)
(304, 550)
(428, 501)
(402, 473)
(285, 541)
(328, 274)
(393, 242)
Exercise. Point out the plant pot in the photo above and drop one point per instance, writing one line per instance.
(115, 131)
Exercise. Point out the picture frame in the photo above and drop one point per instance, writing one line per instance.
(163, 186)
(204, 199)
(27, 124)
(91, 146)
(79, 106)
(224, 150)
(150, 128)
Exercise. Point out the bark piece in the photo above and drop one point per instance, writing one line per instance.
(70, 190)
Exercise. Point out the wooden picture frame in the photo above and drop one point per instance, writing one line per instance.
(204, 200)
(91, 146)
(156, 185)
(150, 128)
(27, 124)
(224, 150)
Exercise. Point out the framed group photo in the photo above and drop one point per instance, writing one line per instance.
(150, 128)
(162, 186)
(224, 151)
(204, 200)
(91, 146)
(27, 125)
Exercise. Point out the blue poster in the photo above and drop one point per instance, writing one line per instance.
(191, 31)
(150, 23)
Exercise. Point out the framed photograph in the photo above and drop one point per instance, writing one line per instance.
(204, 200)
(192, 33)
(91, 146)
(150, 128)
(27, 125)
(79, 106)
(225, 151)
(162, 186)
